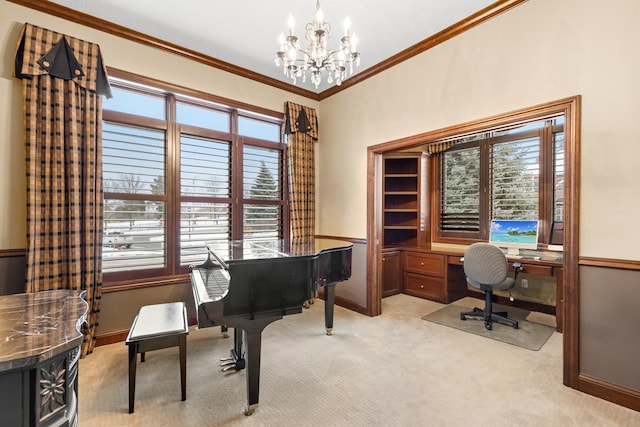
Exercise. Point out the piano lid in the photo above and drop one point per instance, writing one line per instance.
(237, 250)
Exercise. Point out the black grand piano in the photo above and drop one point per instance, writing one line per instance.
(248, 284)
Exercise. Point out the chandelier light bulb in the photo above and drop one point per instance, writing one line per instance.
(316, 56)
(291, 24)
(318, 19)
(347, 26)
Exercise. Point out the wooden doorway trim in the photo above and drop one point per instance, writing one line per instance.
(570, 108)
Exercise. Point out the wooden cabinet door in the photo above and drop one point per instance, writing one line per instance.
(391, 277)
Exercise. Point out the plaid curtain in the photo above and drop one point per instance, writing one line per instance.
(63, 80)
(301, 128)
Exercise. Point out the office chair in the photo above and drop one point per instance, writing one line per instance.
(486, 268)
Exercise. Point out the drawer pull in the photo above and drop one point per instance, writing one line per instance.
(422, 264)
(421, 286)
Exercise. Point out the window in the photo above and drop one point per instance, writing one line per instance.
(263, 214)
(181, 171)
(514, 173)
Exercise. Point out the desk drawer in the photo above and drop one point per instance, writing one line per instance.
(424, 286)
(423, 263)
(540, 270)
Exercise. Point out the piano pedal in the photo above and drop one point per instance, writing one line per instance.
(229, 367)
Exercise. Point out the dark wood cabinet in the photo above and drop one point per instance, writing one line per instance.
(391, 273)
(42, 395)
(39, 351)
(402, 212)
(429, 275)
(424, 275)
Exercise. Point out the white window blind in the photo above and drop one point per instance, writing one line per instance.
(261, 183)
(460, 206)
(558, 178)
(205, 188)
(515, 176)
(133, 161)
(182, 172)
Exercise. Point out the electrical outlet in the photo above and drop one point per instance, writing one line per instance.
(524, 283)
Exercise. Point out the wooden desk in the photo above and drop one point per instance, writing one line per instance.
(438, 275)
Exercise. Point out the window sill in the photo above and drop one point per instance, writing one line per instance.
(139, 284)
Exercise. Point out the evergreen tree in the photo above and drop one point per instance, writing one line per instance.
(515, 181)
(461, 203)
(513, 188)
(264, 187)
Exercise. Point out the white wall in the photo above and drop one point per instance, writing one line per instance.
(540, 51)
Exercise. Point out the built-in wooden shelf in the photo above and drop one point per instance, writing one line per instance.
(401, 200)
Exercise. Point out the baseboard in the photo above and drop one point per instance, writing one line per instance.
(121, 335)
(613, 393)
(350, 305)
(112, 337)
(345, 303)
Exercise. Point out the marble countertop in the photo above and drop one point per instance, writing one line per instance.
(37, 326)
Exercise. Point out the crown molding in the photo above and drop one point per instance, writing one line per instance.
(72, 15)
(426, 44)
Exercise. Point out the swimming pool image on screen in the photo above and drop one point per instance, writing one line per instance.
(514, 231)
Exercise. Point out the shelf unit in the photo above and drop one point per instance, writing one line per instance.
(401, 199)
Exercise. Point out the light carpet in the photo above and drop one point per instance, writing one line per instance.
(389, 370)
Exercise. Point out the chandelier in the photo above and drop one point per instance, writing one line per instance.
(316, 57)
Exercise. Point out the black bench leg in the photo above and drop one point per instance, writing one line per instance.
(183, 366)
(133, 356)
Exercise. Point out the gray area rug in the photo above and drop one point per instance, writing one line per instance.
(529, 335)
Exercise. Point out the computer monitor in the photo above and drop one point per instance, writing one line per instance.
(514, 234)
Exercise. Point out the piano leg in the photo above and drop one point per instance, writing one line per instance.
(253, 341)
(329, 300)
(254, 345)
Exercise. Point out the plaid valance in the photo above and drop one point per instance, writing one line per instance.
(41, 51)
(300, 119)
(439, 147)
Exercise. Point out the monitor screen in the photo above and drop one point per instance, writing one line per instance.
(514, 234)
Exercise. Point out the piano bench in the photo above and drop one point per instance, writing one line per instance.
(158, 326)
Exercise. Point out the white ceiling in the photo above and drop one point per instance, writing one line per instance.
(245, 32)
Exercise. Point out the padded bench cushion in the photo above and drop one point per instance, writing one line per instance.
(159, 320)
